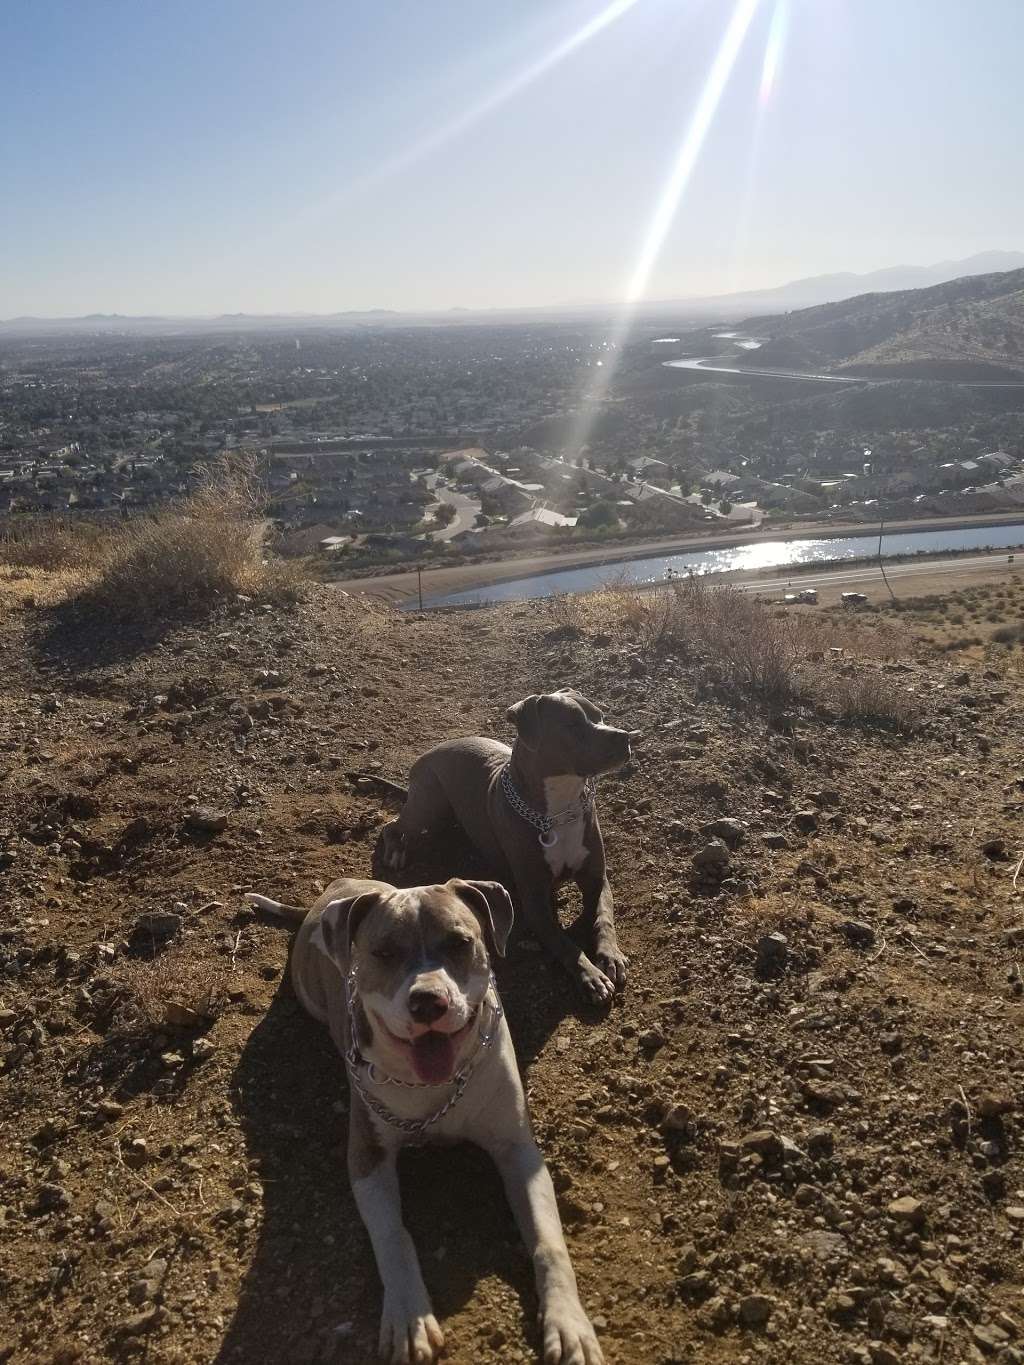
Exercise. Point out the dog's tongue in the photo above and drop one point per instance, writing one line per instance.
(433, 1058)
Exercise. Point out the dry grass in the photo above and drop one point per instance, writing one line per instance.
(177, 561)
(49, 543)
(183, 560)
(754, 649)
(173, 991)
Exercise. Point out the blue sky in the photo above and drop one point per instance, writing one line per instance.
(208, 156)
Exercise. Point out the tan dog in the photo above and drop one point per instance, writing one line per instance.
(530, 811)
(403, 981)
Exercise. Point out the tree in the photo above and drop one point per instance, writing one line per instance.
(599, 514)
(725, 507)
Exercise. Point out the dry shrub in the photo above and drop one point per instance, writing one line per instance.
(177, 989)
(868, 696)
(184, 559)
(757, 649)
(49, 543)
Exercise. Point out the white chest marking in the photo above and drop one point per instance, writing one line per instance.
(570, 852)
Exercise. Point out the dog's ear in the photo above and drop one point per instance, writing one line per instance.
(524, 716)
(590, 710)
(492, 905)
(339, 924)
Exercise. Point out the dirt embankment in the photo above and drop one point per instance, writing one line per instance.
(800, 1148)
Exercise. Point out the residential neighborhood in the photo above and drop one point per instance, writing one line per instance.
(381, 448)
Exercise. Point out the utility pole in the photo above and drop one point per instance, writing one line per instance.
(419, 583)
(881, 529)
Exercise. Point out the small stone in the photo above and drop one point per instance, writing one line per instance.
(1015, 1213)
(160, 926)
(775, 840)
(203, 1049)
(205, 820)
(839, 1304)
(141, 1323)
(755, 1310)
(716, 1313)
(50, 1197)
(765, 1142)
(825, 1094)
(821, 1142)
(882, 1354)
(713, 859)
(806, 821)
(907, 1210)
(109, 1110)
(994, 1185)
(697, 1285)
(688, 1259)
(678, 1119)
(731, 832)
(858, 933)
(989, 1337)
(772, 955)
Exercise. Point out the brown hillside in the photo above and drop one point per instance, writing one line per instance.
(826, 1122)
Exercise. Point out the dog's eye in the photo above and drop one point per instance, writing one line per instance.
(385, 953)
(458, 943)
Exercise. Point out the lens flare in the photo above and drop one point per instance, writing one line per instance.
(773, 52)
(506, 91)
(769, 79)
(664, 215)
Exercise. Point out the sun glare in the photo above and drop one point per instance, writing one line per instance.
(665, 210)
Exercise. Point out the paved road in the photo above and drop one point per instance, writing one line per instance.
(860, 574)
(466, 510)
(708, 364)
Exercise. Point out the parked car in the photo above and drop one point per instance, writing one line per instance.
(809, 596)
(853, 599)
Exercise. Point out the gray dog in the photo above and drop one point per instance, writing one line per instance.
(403, 981)
(529, 811)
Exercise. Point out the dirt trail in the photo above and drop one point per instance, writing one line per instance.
(768, 1151)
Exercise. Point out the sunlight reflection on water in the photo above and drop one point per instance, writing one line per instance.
(771, 554)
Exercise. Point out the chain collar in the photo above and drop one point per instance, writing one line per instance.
(546, 824)
(356, 1064)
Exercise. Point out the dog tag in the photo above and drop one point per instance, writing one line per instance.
(547, 840)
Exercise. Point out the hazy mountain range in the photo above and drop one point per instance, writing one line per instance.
(796, 295)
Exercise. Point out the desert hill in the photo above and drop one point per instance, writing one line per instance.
(968, 328)
(793, 1137)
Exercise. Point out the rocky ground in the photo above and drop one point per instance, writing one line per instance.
(795, 1139)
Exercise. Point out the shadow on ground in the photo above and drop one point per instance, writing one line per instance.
(311, 1292)
(76, 640)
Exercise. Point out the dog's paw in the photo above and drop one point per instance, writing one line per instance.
(597, 987)
(392, 847)
(409, 1332)
(613, 963)
(569, 1339)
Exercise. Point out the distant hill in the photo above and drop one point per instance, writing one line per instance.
(845, 285)
(798, 294)
(967, 328)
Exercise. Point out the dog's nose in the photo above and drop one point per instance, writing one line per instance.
(427, 1004)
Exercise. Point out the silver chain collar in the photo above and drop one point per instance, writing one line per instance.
(547, 823)
(355, 1063)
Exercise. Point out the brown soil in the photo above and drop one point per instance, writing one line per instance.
(175, 1192)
